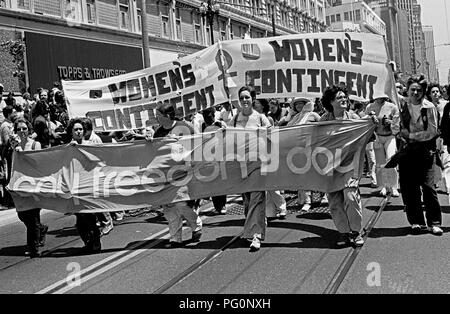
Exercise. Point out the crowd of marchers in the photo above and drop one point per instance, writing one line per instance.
(408, 155)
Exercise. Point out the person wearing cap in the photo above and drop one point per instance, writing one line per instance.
(302, 111)
(384, 144)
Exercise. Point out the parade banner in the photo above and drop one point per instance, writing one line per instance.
(283, 66)
(325, 156)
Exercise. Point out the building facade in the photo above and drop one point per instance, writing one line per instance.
(348, 15)
(105, 35)
(407, 7)
(419, 41)
(430, 55)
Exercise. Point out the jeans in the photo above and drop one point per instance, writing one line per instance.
(255, 214)
(417, 178)
(32, 220)
(370, 155)
(88, 230)
(174, 213)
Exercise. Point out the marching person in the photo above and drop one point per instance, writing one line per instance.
(345, 205)
(384, 144)
(86, 222)
(254, 202)
(176, 211)
(418, 157)
(36, 231)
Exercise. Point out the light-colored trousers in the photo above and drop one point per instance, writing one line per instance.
(255, 214)
(370, 154)
(174, 213)
(385, 147)
(275, 203)
(346, 209)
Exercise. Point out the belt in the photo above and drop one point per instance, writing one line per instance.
(385, 134)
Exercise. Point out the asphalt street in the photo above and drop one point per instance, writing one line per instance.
(298, 255)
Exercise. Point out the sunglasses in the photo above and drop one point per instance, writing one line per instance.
(22, 129)
(341, 97)
(435, 91)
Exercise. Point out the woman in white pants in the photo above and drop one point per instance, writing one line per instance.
(385, 145)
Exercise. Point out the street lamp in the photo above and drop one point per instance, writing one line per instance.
(208, 10)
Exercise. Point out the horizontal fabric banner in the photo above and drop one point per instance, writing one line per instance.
(324, 156)
(283, 66)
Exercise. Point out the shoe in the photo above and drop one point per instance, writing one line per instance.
(395, 193)
(107, 229)
(416, 228)
(282, 214)
(42, 237)
(436, 230)
(35, 254)
(222, 211)
(357, 240)
(306, 207)
(383, 192)
(196, 235)
(343, 240)
(324, 200)
(373, 185)
(256, 244)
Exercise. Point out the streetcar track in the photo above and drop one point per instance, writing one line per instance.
(352, 253)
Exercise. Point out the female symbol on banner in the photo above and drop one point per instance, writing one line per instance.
(224, 62)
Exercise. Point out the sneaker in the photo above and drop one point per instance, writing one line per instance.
(282, 214)
(107, 229)
(196, 235)
(256, 244)
(44, 229)
(306, 207)
(324, 200)
(357, 240)
(395, 193)
(383, 192)
(436, 230)
(34, 254)
(416, 228)
(222, 211)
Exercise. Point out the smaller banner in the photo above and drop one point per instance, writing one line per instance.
(323, 156)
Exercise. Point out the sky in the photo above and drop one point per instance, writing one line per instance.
(434, 13)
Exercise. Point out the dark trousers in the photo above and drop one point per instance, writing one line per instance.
(88, 230)
(32, 220)
(416, 173)
(219, 202)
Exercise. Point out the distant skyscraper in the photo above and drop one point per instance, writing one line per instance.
(429, 51)
(407, 6)
(419, 41)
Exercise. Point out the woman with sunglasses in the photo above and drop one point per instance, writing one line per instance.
(345, 205)
(418, 158)
(36, 231)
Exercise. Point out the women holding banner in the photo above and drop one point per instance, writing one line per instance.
(254, 202)
(176, 211)
(303, 112)
(31, 218)
(418, 157)
(86, 222)
(384, 144)
(345, 205)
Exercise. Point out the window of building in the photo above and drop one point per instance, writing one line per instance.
(178, 33)
(346, 16)
(357, 15)
(90, 11)
(332, 18)
(165, 26)
(223, 30)
(23, 4)
(338, 17)
(124, 10)
(328, 20)
(197, 30)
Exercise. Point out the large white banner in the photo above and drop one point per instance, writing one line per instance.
(283, 66)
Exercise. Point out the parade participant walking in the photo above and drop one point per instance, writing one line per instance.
(254, 202)
(345, 205)
(445, 135)
(211, 125)
(303, 112)
(384, 144)
(86, 222)
(418, 157)
(36, 231)
(176, 211)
